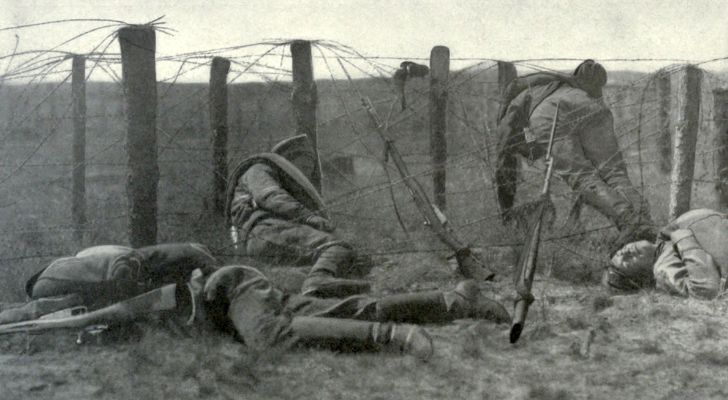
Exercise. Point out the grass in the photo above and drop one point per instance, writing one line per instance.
(637, 340)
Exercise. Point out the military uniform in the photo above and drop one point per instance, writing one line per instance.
(278, 215)
(692, 255)
(101, 275)
(585, 150)
(263, 316)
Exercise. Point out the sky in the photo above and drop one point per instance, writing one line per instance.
(507, 30)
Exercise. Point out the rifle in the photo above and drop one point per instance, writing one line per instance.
(157, 300)
(469, 265)
(527, 259)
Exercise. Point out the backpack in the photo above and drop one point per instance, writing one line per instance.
(106, 274)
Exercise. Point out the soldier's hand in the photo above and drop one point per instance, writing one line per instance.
(319, 223)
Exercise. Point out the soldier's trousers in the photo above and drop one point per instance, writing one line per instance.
(273, 241)
(263, 316)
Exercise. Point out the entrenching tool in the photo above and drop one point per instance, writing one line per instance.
(154, 301)
(469, 264)
(526, 267)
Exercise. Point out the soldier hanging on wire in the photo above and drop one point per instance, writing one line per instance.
(585, 154)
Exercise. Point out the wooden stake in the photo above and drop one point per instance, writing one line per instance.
(140, 87)
(506, 73)
(686, 136)
(78, 96)
(439, 72)
(664, 140)
(219, 125)
(305, 99)
(720, 123)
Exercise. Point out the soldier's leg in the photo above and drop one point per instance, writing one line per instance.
(586, 181)
(275, 240)
(333, 259)
(465, 301)
(261, 320)
(350, 334)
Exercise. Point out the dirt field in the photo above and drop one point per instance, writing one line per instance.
(578, 343)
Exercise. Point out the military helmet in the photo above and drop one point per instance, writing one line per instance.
(591, 76)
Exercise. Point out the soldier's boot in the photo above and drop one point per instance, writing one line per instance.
(324, 280)
(465, 301)
(337, 333)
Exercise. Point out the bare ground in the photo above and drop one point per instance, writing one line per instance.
(579, 343)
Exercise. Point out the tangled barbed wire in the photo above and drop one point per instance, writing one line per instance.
(364, 191)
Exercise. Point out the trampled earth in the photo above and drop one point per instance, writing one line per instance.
(579, 342)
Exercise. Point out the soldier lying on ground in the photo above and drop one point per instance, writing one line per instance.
(585, 150)
(690, 258)
(279, 216)
(242, 301)
(100, 275)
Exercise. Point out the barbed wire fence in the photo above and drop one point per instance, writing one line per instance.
(365, 194)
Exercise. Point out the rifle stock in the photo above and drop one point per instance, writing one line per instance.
(157, 300)
(529, 254)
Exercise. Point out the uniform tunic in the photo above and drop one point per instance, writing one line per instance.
(692, 255)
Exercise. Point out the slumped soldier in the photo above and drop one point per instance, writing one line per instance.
(279, 216)
(585, 150)
(241, 300)
(690, 258)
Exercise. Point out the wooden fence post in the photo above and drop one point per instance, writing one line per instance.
(219, 125)
(305, 99)
(506, 73)
(439, 72)
(140, 88)
(686, 135)
(664, 140)
(78, 96)
(720, 123)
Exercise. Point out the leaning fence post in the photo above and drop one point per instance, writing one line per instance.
(305, 99)
(686, 134)
(78, 96)
(506, 73)
(219, 125)
(664, 139)
(439, 72)
(720, 122)
(140, 88)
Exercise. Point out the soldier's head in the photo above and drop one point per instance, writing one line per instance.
(299, 152)
(591, 76)
(631, 267)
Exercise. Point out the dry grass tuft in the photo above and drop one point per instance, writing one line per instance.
(548, 393)
(601, 302)
(718, 358)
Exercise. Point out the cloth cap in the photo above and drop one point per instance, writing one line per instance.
(591, 76)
